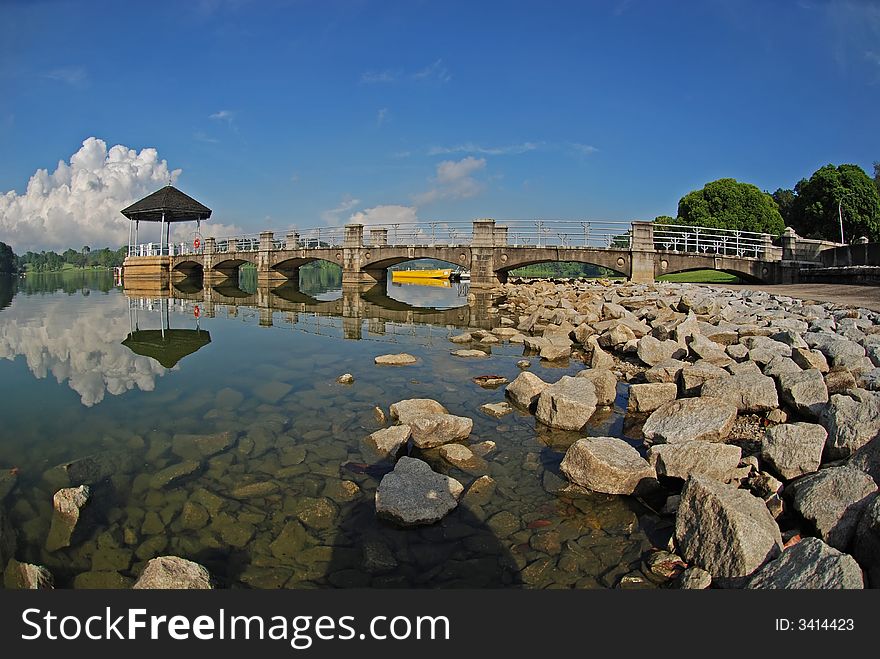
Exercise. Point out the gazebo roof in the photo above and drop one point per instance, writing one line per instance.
(176, 206)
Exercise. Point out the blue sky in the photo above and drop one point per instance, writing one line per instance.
(308, 112)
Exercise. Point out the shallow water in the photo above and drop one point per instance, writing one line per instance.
(289, 503)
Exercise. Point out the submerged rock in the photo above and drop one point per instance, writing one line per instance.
(26, 576)
(415, 494)
(606, 464)
(705, 419)
(724, 530)
(173, 572)
(196, 447)
(175, 474)
(496, 409)
(810, 564)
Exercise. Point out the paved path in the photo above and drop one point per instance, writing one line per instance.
(845, 294)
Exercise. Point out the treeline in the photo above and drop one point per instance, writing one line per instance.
(815, 207)
(563, 269)
(51, 261)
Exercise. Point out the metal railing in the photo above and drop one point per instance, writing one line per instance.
(420, 234)
(570, 234)
(706, 240)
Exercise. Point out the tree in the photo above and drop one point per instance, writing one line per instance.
(7, 260)
(729, 204)
(877, 175)
(85, 250)
(784, 199)
(815, 209)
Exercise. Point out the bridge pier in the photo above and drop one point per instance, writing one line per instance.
(642, 253)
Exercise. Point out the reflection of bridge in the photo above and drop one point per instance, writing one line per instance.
(639, 250)
(354, 306)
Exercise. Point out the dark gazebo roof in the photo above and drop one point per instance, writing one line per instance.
(176, 206)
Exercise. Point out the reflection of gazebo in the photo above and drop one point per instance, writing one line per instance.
(167, 346)
(165, 206)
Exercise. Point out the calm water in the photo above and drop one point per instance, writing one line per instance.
(290, 502)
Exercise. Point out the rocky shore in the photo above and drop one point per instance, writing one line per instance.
(750, 444)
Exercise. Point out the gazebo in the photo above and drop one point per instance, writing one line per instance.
(164, 206)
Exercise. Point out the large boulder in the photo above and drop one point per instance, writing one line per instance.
(867, 542)
(652, 351)
(804, 391)
(173, 573)
(718, 461)
(694, 376)
(567, 404)
(833, 500)
(415, 494)
(605, 464)
(388, 441)
(648, 397)
(867, 459)
(407, 410)
(807, 358)
(810, 564)
(666, 371)
(705, 419)
(708, 350)
(525, 389)
(839, 350)
(851, 421)
(66, 506)
(604, 382)
(726, 531)
(750, 393)
(794, 449)
(437, 429)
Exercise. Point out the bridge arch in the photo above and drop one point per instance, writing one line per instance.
(229, 265)
(596, 260)
(190, 268)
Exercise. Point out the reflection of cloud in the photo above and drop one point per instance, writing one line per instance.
(83, 350)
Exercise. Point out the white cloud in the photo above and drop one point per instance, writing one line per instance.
(223, 115)
(334, 215)
(374, 77)
(74, 76)
(584, 149)
(470, 147)
(387, 214)
(454, 180)
(201, 136)
(78, 204)
(381, 116)
(434, 71)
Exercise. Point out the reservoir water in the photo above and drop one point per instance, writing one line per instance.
(105, 388)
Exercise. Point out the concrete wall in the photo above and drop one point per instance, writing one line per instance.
(850, 255)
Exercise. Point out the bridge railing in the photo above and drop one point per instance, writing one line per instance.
(429, 233)
(705, 240)
(588, 234)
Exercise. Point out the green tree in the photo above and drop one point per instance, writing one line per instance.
(843, 189)
(784, 199)
(877, 175)
(7, 260)
(729, 204)
(85, 250)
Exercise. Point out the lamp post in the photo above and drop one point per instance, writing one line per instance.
(840, 219)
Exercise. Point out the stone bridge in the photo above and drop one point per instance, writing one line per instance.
(640, 251)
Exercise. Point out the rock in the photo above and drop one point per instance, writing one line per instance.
(400, 359)
(554, 352)
(463, 458)
(414, 494)
(462, 338)
(698, 303)
(649, 397)
(483, 449)
(599, 359)
(315, 512)
(867, 542)
(777, 416)
(833, 500)
(173, 573)
(26, 576)
(694, 578)
(197, 447)
(763, 484)
(804, 391)
(718, 461)
(781, 365)
(794, 449)
(704, 418)
(290, 542)
(523, 363)
(652, 351)
(605, 384)
(737, 351)
(378, 558)
(851, 421)
(606, 464)
(379, 415)
(174, 474)
(496, 409)
(567, 404)
(694, 376)
(726, 531)
(525, 389)
(744, 368)
(480, 492)
(838, 350)
(867, 459)
(810, 564)
(345, 378)
(67, 504)
(90, 470)
(709, 351)
(470, 353)
(750, 393)
(193, 516)
(436, 429)
(256, 490)
(101, 580)
(806, 358)
(666, 371)
(870, 380)
(490, 381)
(407, 410)
(388, 441)
(839, 380)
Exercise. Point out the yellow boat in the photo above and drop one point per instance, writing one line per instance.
(422, 274)
(421, 281)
